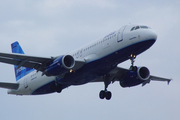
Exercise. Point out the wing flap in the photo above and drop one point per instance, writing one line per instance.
(9, 85)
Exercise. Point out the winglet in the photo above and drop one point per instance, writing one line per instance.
(169, 81)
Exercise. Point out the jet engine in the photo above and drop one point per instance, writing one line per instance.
(136, 77)
(60, 65)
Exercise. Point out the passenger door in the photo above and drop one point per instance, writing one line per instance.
(25, 83)
(120, 34)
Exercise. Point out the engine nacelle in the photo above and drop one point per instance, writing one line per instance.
(133, 78)
(60, 65)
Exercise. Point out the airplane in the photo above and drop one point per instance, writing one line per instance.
(94, 62)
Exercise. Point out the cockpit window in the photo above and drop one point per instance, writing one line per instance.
(132, 28)
(139, 27)
(144, 27)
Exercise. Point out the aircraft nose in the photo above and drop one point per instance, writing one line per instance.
(152, 35)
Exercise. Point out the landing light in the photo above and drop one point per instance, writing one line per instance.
(133, 56)
(71, 71)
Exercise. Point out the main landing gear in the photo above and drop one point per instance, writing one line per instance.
(107, 80)
(132, 57)
(105, 93)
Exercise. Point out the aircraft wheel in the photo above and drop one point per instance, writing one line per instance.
(108, 95)
(102, 94)
(105, 94)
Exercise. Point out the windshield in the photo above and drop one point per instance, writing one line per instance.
(139, 27)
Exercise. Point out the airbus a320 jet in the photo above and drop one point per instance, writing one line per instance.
(94, 62)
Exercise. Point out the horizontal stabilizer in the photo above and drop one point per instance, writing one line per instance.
(9, 85)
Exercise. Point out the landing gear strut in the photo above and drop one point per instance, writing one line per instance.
(105, 93)
(56, 87)
(132, 57)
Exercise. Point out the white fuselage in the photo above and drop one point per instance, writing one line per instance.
(93, 51)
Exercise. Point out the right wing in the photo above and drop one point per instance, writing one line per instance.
(9, 85)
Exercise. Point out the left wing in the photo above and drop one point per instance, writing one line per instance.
(155, 78)
(119, 73)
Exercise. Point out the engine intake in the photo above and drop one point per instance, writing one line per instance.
(68, 62)
(143, 73)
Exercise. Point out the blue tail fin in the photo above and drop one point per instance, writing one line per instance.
(22, 71)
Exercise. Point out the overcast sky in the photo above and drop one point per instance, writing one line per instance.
(55, 27)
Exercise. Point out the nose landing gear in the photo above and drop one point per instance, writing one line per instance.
(132, 58)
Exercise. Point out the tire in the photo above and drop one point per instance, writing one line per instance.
(108, 95)
(102, 94)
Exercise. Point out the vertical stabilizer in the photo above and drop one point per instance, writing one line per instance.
(21, 71)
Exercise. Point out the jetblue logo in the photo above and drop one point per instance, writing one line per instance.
(19, 70)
